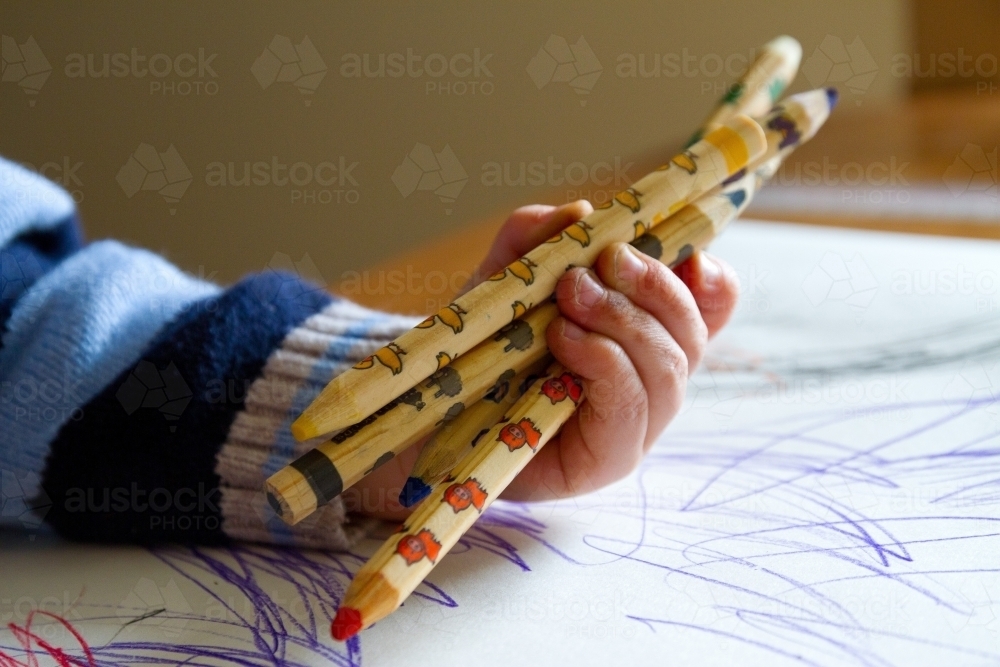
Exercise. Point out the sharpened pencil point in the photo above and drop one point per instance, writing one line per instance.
(303, 429)
(346, 624)
(832, 95)
(413, 492)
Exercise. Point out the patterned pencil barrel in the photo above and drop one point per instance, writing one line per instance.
(696, 225)
(315, 478)
(399, 566)
(759, 88)
(692, 228)
(455, 329)
(794, 122)
(459, 437)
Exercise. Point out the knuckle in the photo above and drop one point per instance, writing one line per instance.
(658, 282)
(617, 309)
(675, 363)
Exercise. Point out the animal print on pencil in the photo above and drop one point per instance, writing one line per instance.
(519, 309)
(415, 547)
(450, 315)
(566, 385)
(467, 494)
(521, 268)
(520, 434)
(686, 161)
(389, 356)
(519, 336)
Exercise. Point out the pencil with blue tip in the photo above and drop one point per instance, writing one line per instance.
(459, 437)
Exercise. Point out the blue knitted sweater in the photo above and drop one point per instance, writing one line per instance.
(140, 404)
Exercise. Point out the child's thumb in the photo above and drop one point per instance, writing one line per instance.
(526, 228)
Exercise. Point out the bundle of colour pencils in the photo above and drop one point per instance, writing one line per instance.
(477, 374)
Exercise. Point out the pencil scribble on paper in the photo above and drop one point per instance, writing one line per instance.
(818, 538)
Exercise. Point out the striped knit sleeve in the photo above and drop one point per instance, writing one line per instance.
(140, 404)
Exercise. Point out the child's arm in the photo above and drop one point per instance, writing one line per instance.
(140, 404)
(632, 328)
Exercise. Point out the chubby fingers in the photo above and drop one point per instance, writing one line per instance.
(527, 228)
(714, 285)
(603, 440)
(652, 287)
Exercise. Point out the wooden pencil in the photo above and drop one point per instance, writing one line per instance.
(399, 566)
(360, 391)
(690, 229)
(315, 478)
(318, 476)
(760, 86)
(459, 437)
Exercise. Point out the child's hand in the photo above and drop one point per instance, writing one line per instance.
(631, 328)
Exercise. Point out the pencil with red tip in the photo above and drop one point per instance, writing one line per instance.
(406, 559)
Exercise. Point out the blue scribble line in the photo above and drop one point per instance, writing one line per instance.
(769, 539)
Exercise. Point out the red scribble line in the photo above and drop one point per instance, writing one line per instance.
(29, 639)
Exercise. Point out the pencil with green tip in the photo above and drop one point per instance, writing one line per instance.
(760, 86)
(411, 358)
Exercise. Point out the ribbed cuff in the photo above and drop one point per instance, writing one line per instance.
(260, 442)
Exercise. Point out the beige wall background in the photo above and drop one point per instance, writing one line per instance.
(85, 128)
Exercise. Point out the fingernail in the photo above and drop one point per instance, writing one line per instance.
(711, 273)
(571, 331)
(629, 267)
(589, 291)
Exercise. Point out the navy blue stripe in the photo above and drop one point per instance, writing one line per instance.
(28, 257)
(139, 465)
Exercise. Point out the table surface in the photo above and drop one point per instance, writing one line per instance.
(927, 131)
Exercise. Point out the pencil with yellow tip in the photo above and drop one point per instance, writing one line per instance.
(411, 358)
(399, 566)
